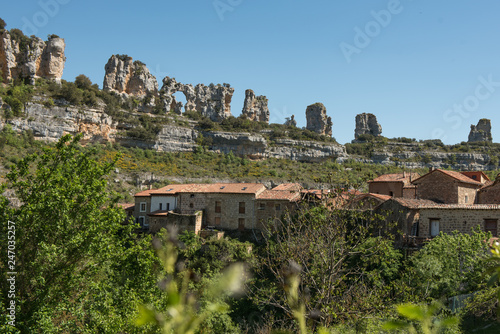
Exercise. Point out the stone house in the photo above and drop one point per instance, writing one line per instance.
(437, 218)
(394, 185)
(272, 204)
(447, 187)
(368, 201)
(224, 205)
(490, 193)
(404, 213)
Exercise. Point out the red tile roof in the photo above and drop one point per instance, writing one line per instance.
(227, 188)
(478, 174)
(455, 175)
(144, 193)
(400, 177)
(289, 186)
(462, 206)
(158, 213)
(279, 195)
(377, 196)
(172, 189)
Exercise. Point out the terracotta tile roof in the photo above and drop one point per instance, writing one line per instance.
(144, 193)
(478, 174)
(279, 195)
(227, 188)
(455, 175)
(315, 192)
(400, 177)
(377, 196)
(289, 186)
(172, 189)
(462, 206)
(413, 203)
(158, 213)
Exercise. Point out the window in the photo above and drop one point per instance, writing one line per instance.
(142, 221)
(241, 224)
(391, 194)
(242, 207)
(217, 221)
(434, 226)
(161, 206)
(217, 207)
(490, 225)
(191, 205)
(168, 206)
(466, 198)
(277, 207)
(192, 196)
(262, 206)
(143, 207)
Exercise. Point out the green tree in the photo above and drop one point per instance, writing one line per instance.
(77, 263)
(450, 265)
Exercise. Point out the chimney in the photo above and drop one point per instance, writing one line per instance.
(431, 169)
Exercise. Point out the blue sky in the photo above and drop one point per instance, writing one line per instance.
(426, 69)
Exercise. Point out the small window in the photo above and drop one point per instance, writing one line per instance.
(191, 205)
(217, 207)
(490, 225)
(217, 221)
(474, 177)
(161, 206)
(434, 226)
(241, 224)
(277, 207)
(192, 196)
(466, 198)
(242, 207)
(142, 221)
(143, 207)
(391, 194)
(168, 206)
(262, 206)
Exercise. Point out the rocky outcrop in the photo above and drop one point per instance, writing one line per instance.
(366, 124)
(317, 120)
(30, 57)
(212, 101)
(255, 107)
(52, 123)
(125, 76)
(290, 121)
(481, 131)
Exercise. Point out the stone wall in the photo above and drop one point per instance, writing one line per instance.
(137, 209)
(228, 217)
(182, 223)
(491, 194)
(266, 210)
(442, 189)
(455, 219)
(386, 188)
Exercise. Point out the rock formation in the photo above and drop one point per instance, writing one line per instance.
(123, 75)
(290, 121)
(30, 57)
(366, 124)
(481, 131)
(255, 107)
(317, 120)
(213, 101)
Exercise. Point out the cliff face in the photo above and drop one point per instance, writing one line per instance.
(255, 107)
(125, 76)
(366, 124)
(317, 120)
(212, 101)
(51, 123)
(31, 58)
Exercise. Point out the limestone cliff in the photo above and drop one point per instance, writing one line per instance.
(125, 76)
(317, 120)
(31, 58)
(212, 101)
(480, 132)
(366, 124)
(255, 107)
